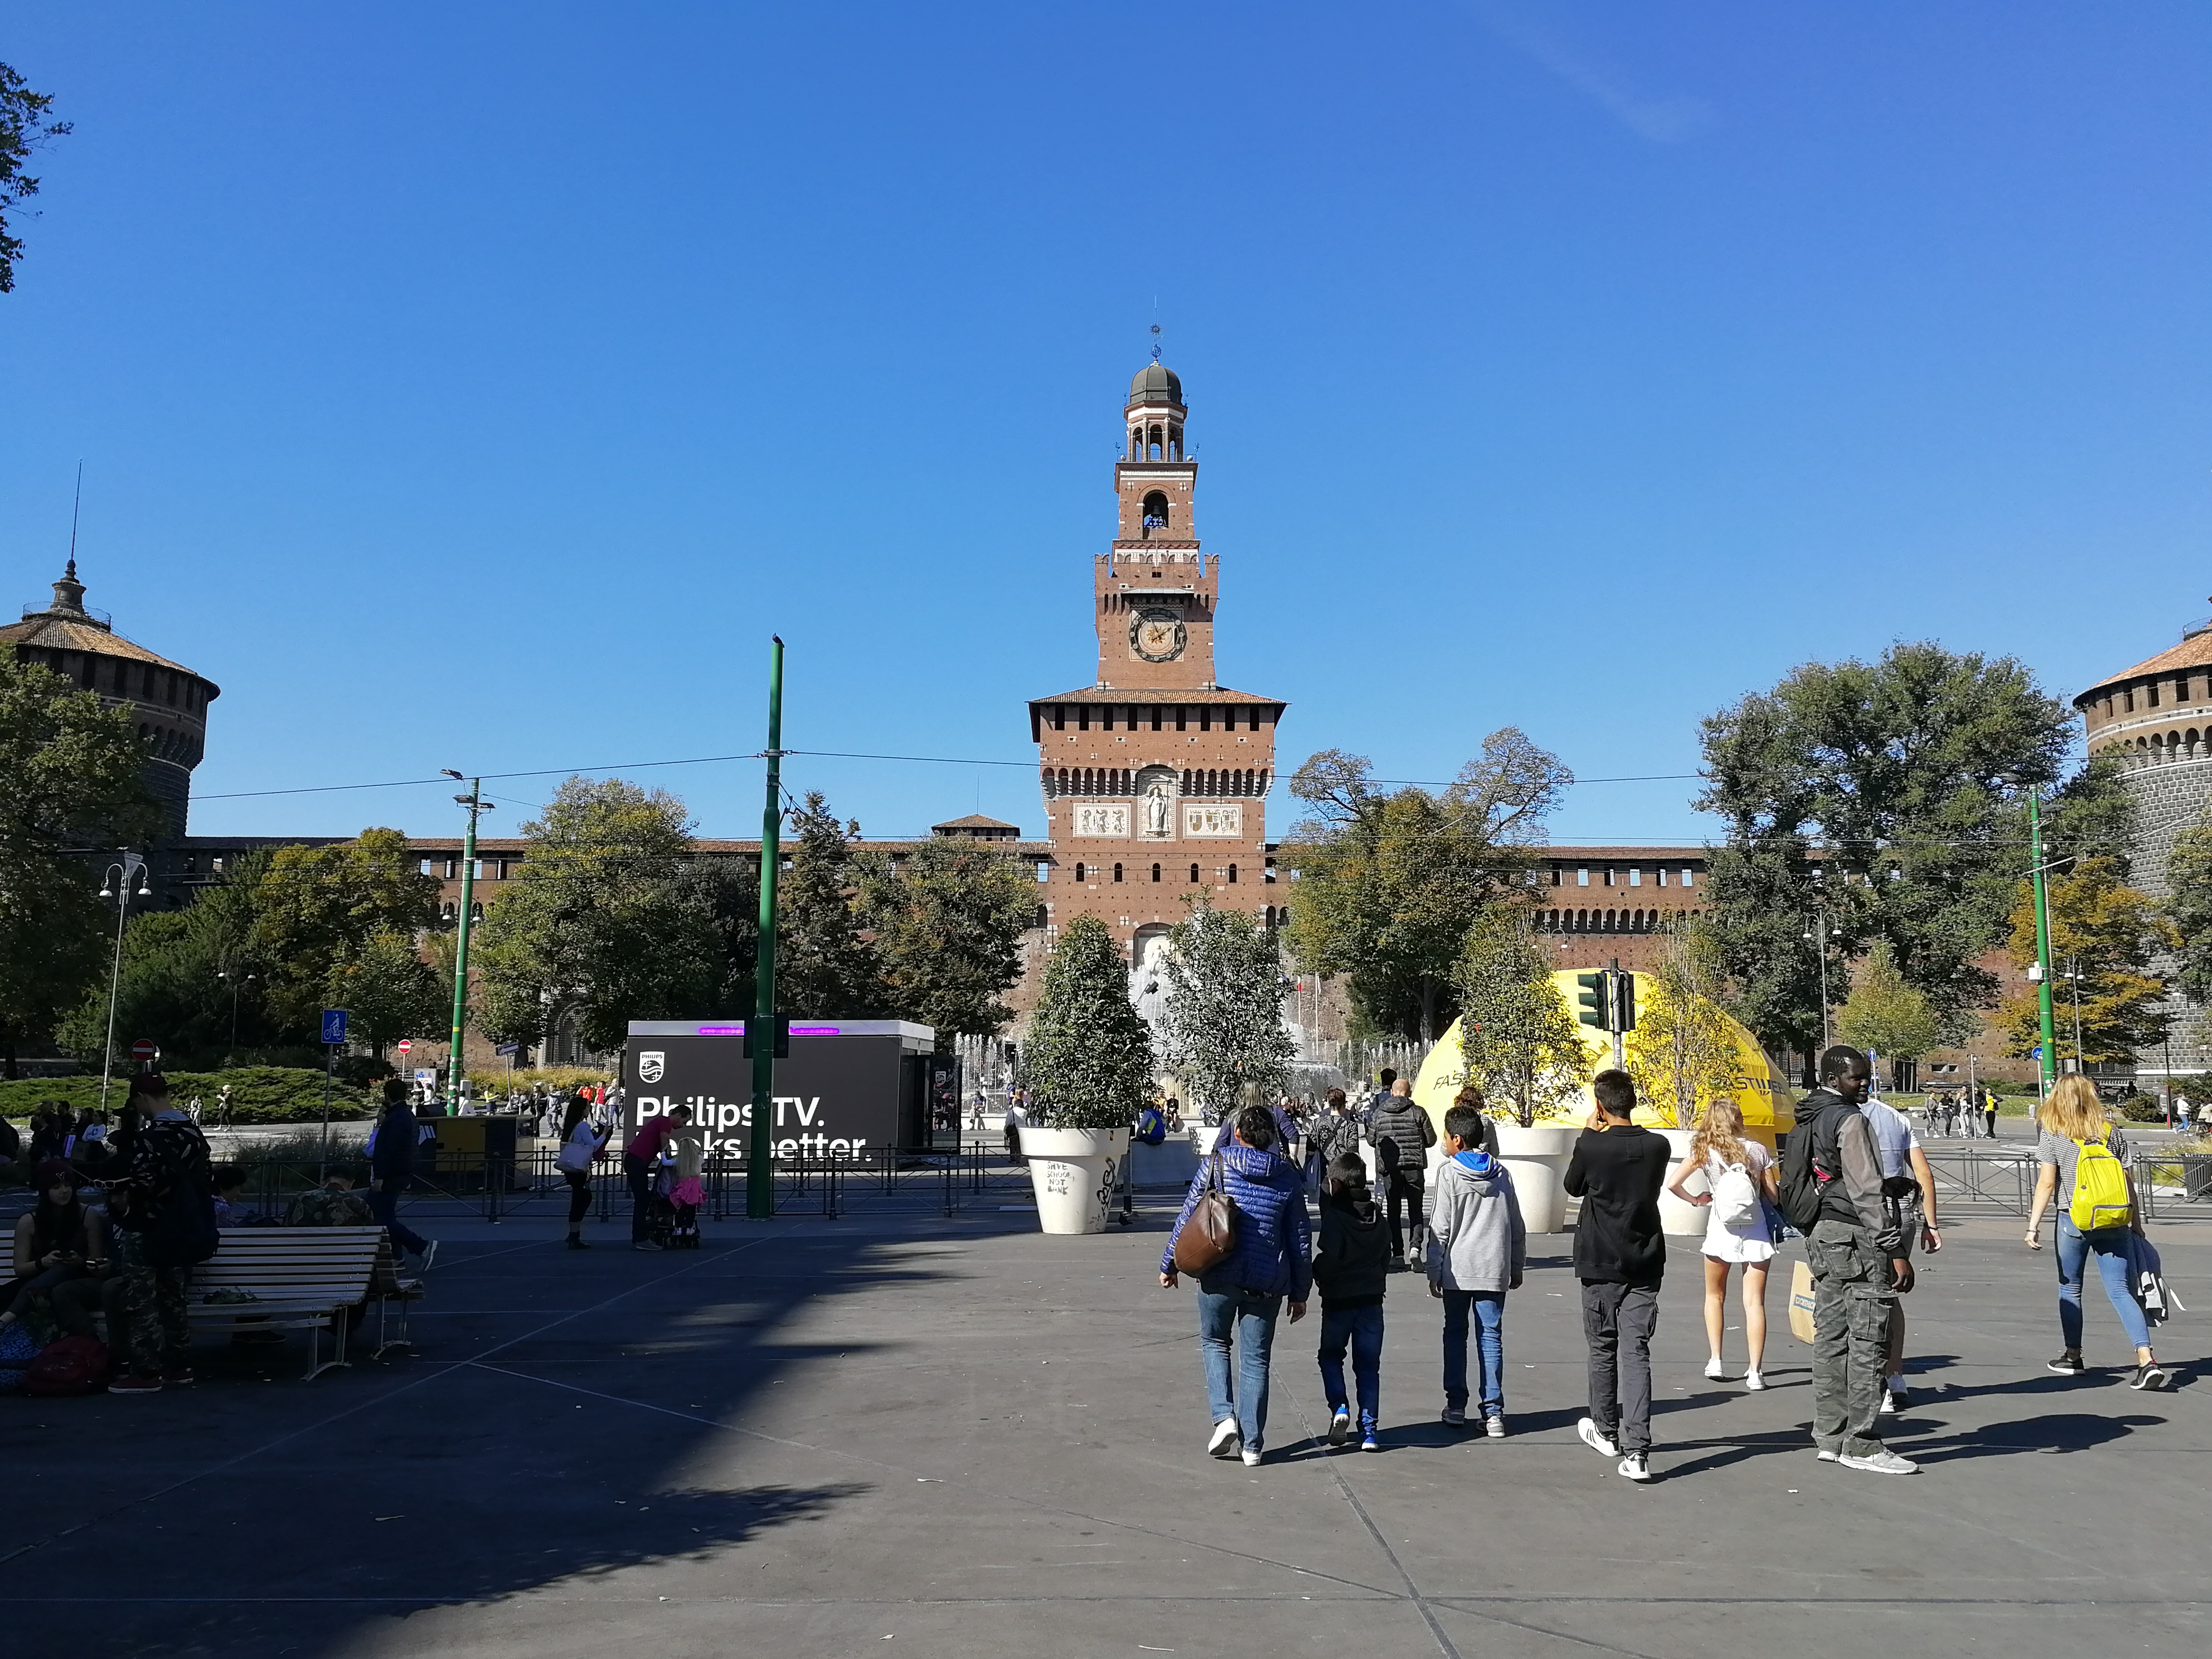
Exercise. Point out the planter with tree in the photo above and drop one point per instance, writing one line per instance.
(1223, 1019)
(1088, 1065)
(1519, 1043)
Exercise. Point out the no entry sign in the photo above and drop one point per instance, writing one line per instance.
(145, 1049)
(405, 1044)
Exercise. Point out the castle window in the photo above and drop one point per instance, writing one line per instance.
(1117, 873)
(1635, 876)
(1233, 875)
(1156, 872)
(1060, 720)
(2128, 700)
(1042, 913)
(1156, 717)
(1557, 873)
(2152, 687)
(1686, 881)
(1156, 512)
(1204, 718)
(1082, 718)
(1079, 872)
(1193, 873)
(1181, 713)
(1582, 878)
(476, 913)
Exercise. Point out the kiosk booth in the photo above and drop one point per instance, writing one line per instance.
(858, 1089)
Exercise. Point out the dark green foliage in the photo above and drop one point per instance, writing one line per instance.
(948, 925)
(1089, 1062)
(25, 123)
(824, 969)
(262, 1094)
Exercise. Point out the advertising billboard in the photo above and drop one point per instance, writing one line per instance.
(848, 1089)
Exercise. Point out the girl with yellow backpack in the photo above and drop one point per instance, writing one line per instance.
(2084, 1165)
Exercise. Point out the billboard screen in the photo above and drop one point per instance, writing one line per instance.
(846, 1092)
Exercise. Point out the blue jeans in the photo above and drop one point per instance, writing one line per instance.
(2111, 1246)
(1251, 1318)
(1489, 1318)
(384, 1205)
(1362, 1328)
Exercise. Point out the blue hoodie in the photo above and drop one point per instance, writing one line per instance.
(1275, 1236)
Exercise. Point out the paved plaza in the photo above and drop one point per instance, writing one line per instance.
(898, 1432)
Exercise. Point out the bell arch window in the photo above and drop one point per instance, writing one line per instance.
(1156, 512)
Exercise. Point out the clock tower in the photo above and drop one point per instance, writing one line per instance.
(1155, 776)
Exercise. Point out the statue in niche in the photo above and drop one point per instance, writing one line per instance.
(1159, 808)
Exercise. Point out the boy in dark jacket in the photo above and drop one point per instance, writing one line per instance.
(1351, 1271)
(1621, 1255)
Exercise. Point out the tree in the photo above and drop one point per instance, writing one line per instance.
(1089, 1063)
(608, 912)
(948, 926)
(1883, 1014)
(2110, 933)
(2188, 878)
(317, 905)
(26, 125)
(823, 968)
(1683, 1052)
(1888, 798)
(390, 990)
(1221, 1019)
(1388, 884)
(73, 780)
(1517, 1037)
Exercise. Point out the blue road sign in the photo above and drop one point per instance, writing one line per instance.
(510, 1048)
(2036, 1053)
(334, 1025)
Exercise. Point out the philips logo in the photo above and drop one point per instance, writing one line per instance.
(651, 1066)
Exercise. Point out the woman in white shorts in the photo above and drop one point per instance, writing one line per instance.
(1736, 1234)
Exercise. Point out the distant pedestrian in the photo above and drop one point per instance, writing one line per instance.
(1477, 1250)
(2181, 1112)
(392, 1151)
(1240, 1296)
(1334, 1133)
(1859, 1266)
(1351, 1271)
(2082, 1164)
(1621, 1257)
(582, 1145)
(167, 1163)
(640, 1154)
(1989, 1114)
(1401, 1135)
(1010, 1126)
(1738, 1177)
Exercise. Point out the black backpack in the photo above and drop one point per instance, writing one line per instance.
(183, 1233)
(1802, 1184)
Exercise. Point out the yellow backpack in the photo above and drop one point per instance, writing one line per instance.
(2101, 1188)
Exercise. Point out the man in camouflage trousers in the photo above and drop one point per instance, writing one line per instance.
(1859, 1266)
(168, 1150)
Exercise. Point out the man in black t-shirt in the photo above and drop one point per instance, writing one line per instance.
(1621, 1255)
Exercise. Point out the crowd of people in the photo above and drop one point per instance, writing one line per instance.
(1853, 1182)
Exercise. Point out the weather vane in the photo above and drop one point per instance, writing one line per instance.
(1156, 343)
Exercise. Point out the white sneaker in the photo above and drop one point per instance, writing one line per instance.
(1227, 1439)
(1882, 1462)
(1340, 1426)
(1494, 1426)
(1252, 1458)
(1826, 1456)
(1636, 1466)
(1594, 1440)
(1715, 1370)
(1754, 1380)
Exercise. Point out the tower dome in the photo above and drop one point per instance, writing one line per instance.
(168, 701)
(1156, 384)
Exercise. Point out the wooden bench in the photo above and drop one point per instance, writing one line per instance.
(301, 1279)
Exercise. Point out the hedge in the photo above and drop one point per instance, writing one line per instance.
(260, 1094)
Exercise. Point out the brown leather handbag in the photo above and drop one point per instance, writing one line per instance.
(1210, 1234)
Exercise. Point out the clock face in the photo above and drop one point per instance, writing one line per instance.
(1156, 633)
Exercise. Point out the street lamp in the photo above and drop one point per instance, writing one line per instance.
(2073, 973)
(1818, 934)
(116, 884)
(475, 802)
(237, 982)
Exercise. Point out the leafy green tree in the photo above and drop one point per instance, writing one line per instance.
(825, 968)
(390, 990)
(1222, 1019)
(1888, 798)
(608, 912)
(2188, 878)
(1089, 1063)
(25, 123)
(2112, 934)
(1884, 1014)
(72, 779)
(1682, 1053)
(316, 906)
(948, 925)
(1517, 1037)
(1389, 883)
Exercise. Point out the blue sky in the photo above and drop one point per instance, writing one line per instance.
(481, 386)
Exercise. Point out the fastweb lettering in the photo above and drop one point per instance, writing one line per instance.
(719, 1119)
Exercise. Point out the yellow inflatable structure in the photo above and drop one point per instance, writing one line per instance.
(1764, 1095)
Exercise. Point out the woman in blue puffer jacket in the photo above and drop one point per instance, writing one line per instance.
(1240, 1296)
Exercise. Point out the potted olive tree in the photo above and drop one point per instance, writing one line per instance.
(1521, 1047)
(1222, 1026)
(1088, 1064)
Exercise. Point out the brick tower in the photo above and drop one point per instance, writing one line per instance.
(1155, 776)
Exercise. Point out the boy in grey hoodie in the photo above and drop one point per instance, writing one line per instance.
(1477, 1250)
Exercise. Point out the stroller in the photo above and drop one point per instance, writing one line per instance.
(672, 1219)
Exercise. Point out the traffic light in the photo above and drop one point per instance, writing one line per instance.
(1594, 999)
(1624, 1001)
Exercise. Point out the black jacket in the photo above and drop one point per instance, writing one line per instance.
(1617, 1173)
(398, 1135)
(1352, 1267)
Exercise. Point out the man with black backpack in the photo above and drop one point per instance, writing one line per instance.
(1830, 1190)
(1401, 1135)
(167, 1205)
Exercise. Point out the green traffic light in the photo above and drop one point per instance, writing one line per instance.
(1592, 997)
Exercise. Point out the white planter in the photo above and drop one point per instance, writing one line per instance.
(1072, 1171)
(1205, 1137)
(1537, 1160)
(1676, 1218)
